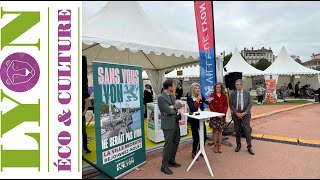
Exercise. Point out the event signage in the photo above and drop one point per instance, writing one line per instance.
(205, 30)
(120, 141)
(271, 91)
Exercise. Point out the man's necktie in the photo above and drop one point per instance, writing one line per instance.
(170, 99)
(239, 102)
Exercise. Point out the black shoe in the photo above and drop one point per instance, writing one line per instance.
(174, 164)
(238, 148)
(166, 170)
(87, 151)
(251, 151)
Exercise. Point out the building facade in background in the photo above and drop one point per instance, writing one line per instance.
(314, 62)
(254, 55)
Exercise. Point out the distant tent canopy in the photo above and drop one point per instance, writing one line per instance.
(238, 64)
(285, 67)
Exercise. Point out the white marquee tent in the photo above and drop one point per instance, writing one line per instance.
(122, 33)
(236, 64)
(194, 71)
(291, 71)
(189, 72)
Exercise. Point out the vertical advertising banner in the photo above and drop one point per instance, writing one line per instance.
(119, 117)
(39, 118)
(271, 91)
(205, 30)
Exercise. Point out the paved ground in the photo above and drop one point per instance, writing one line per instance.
(261, 109)
(298, 123)
(272, 160)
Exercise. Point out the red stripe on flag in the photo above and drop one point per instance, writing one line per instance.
(203, 13)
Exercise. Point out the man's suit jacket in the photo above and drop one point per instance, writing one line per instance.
(168, 115)
(246, 104)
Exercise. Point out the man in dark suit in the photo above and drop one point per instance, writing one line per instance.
(170, 126)
(240, 105)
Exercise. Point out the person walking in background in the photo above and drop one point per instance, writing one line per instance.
(218, 102)
(290, 86)
(151, 91)
(296, 90)
(169, 108)
(260, 92)
(179, 91)
(147, 98)
(240, 105)
(85, 106)
(196, 102)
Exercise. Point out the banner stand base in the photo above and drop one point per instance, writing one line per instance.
(96, 167)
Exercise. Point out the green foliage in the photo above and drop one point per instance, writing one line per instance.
(226, 59)
(298, 61)
(262, 64)
(104, 108)
(317, 68)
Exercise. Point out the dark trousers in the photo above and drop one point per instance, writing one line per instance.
(195, 126)
(171, 144)
(84, 134)
(245, 124)
(145, 111)
(260, 98)
(296, 94)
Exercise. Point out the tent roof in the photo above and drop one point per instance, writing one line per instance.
(285, 65)
(189, 72)
(238, 64)
(121, 32)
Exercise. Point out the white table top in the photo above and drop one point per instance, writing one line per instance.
(204, 115)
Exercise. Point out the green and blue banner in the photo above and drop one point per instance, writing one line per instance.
(119, 117)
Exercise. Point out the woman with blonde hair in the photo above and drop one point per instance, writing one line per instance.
(218, 102)
(196, 102)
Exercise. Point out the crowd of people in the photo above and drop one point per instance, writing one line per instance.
(239, 102)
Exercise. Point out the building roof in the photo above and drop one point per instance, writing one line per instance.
(312, 60)
(258, 50)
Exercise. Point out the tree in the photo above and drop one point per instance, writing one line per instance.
(317, 68)
(262, 64)
(298, 61)
(226, 59)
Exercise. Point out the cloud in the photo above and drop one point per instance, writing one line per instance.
(239, 24)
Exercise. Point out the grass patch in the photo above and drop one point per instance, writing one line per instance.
(286, 103)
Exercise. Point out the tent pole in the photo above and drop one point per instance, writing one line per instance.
(90, 47)
(149, 60)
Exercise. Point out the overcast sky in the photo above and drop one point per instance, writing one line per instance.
(294, 25)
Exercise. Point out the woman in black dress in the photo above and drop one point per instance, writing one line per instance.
(147, 98)
(179, 91)
(196, 102)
